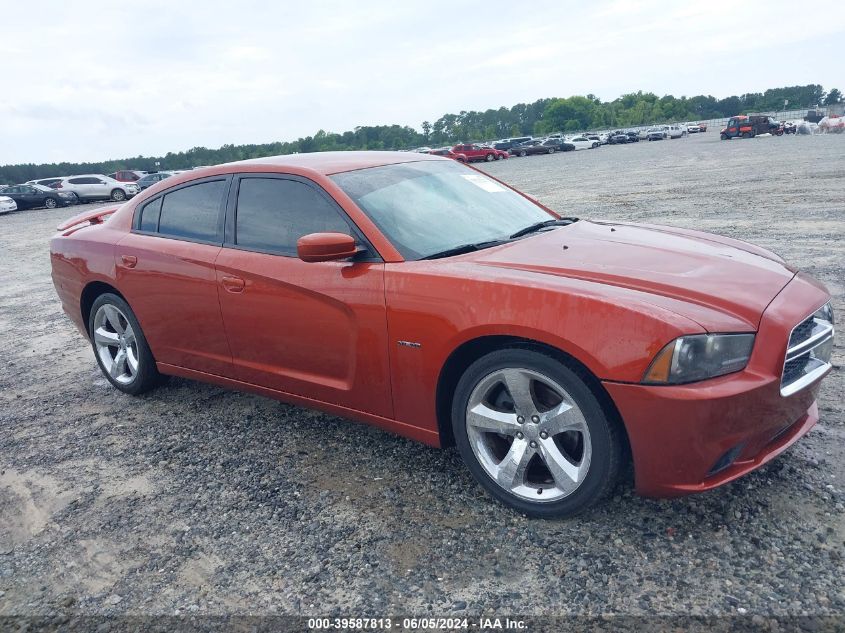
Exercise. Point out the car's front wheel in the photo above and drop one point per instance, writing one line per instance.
(534, 435)
(120, 347)
(118, 195)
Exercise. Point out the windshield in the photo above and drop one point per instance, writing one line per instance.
(427, 207)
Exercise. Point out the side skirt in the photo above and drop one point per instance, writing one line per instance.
(430, 438)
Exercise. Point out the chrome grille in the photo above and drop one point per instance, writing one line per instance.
(809, 351)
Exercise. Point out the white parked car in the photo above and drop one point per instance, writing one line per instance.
(582, 142)
(674, 131)
(98, 187)
(7, 204)
(44, 182)
(692, 128)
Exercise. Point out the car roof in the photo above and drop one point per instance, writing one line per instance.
(328, 163)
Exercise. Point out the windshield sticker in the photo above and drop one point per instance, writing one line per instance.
(485, 183)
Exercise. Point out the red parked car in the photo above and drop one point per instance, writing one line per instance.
(448, 153)
(128, 175)
(475, 152)
(426, 298)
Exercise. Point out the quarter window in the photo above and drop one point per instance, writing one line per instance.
(273, 213)
(192, 212)
(150, 214)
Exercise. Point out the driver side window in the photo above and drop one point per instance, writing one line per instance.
(273, 213)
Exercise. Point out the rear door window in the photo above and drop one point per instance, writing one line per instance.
(193, 212)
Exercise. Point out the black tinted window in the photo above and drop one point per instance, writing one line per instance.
(192, 212)
(273, 214)
(150, 214)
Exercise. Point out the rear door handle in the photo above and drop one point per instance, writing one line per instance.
(130, 261)
(233, 284)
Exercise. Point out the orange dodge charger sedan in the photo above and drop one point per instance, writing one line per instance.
(422, 296)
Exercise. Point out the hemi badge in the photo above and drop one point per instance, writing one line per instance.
(409, 344)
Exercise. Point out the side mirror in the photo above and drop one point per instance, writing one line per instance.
(325, 247)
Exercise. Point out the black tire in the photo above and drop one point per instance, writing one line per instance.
(551, 150)
(746, 135)
(724, 137)
(50, 203)
(523, 153)
(118, 195)
(147, 376)
(489, 158)
(604, 434)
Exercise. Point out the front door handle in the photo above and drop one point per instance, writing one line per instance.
(130, 261)
(233, 284)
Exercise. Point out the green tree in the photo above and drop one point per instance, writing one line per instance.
(539, 117)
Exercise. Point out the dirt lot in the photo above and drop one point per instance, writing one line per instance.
(193, 499)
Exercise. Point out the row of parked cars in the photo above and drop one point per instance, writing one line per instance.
(63, 191)
(528, 145)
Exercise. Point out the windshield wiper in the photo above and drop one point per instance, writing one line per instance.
(464, 248)
(533, 228)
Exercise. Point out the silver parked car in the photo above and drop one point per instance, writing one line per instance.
(149, 180)
(98, 187)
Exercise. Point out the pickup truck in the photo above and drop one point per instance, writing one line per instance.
(750, 126)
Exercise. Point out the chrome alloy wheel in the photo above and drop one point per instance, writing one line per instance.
(528, 434)
(116, 345)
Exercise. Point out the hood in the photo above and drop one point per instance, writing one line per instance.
(717, 272)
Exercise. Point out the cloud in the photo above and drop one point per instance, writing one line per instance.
(105, 82)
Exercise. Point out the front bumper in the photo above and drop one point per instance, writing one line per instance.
(691, 438)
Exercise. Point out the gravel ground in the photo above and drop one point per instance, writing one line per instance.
(194, 499)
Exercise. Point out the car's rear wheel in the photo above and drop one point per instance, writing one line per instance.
(489, 158)
(534, 435)
(118, 195)
(120, 347)
(50, 203)
(523, 153)
(551, 150)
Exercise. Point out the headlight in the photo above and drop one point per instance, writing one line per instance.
(698, 357)
(825, 313)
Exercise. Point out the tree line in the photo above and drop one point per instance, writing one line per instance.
(543, 116)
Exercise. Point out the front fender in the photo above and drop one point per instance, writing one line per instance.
(432, 310)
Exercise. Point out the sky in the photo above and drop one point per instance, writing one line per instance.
(92, 80)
